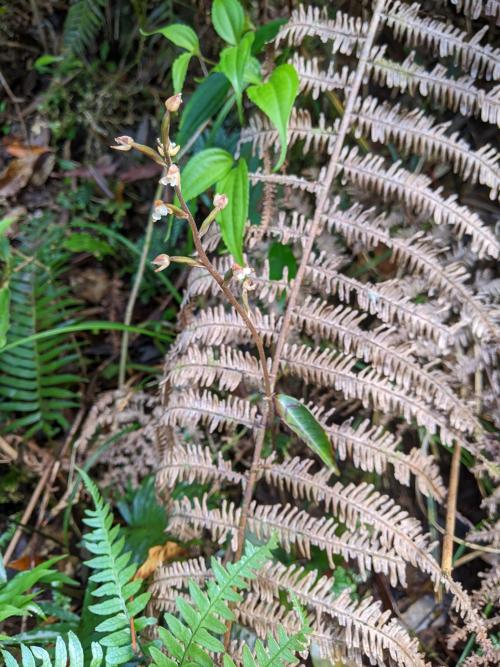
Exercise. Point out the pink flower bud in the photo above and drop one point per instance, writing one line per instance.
(124, 142)
(220, 201)
(173, 103)
(161, 262)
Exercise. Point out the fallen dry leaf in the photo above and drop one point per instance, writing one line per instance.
(16, 175)
(25, 563)
(157, 555)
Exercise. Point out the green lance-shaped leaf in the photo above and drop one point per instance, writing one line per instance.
(181, 35)
(205, 102)
(179, 69)
(275, 98)
(232, 219)
(303, 423)
(203, 170)
(228, 19)
(234, 62)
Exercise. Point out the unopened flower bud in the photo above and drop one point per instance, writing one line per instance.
(173, 103)
(162, 262)
(124, 142)
(220, 201)
(172, 177)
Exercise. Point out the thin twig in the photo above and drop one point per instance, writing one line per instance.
(129, 310)
(451, 511)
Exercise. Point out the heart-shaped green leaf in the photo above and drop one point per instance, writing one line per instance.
(228, 19)
(179, 69)
(180, 35)
(234, 61)
(232, 219)
(275, 98)
(303, 423)
(203, 170)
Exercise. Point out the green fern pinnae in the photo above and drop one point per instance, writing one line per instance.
(36, 386)
(115, 575)
(279, 652)
(190, 638)
(73, 651)
(84, 21)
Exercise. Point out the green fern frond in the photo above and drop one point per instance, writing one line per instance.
(73, 651)
(36, 385)
(191, 638)
(84, 21)
(115, 575)
(279, 652)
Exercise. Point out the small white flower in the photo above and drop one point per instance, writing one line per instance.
(241, 273)
(160, 210)
(172, 176)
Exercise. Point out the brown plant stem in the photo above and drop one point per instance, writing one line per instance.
(203, 259)
(451, 511)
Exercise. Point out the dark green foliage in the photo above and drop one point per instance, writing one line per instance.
(84, 20)
(145, 518)
(37, 379)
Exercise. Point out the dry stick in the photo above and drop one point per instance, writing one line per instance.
(451, 511)
(294, 293)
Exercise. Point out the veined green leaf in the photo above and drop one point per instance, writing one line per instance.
(275, 98)
(303, 423)
(232, 219)
(234, 61)
(228, 18)
(203, 170)
(181, 35)
(206, 101)
(179, 69)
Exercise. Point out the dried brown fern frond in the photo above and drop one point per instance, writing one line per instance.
(292, 527)
(342, 33)
(189, 408)
(444, 39)
(390, 317)
(370, 172)
(194, 463)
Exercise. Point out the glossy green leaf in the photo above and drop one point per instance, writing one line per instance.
(232, 219)
(266, 33)
(203, 170)
(234, 61)
(303, 423)
(228, 19)
(179, 70)
(275, 98)
(205, 102)
(181, 35)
